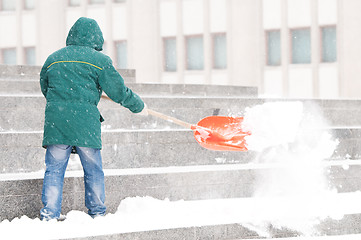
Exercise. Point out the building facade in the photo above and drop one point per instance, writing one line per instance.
(287, 48)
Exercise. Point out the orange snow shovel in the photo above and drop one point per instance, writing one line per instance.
(219, 133)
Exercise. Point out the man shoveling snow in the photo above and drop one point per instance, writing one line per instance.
(72, 80)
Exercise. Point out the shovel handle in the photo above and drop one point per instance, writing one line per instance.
(170, 119)
(165, 117)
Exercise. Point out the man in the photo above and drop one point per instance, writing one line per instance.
(72, 80)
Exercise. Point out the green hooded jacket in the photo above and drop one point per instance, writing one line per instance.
(72, 80)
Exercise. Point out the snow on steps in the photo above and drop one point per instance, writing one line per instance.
(32, 73)
(25, 80)
(346, 229)
(32, 86)
(20, 193)
(121, 149)
(148, 148)
(236, 218)
(30, 110)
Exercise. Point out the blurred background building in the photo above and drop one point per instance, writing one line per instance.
(287, 48)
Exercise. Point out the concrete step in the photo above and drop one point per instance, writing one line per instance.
(23, 197)
(121, 149)
(202, 219)
(32, 86)
(26, 113)
(184, 220)
(20, 71)
(25, 80)
(219, 232)
(32, 73)
(195, 90)
(22, 151)
(20, 194)
(345, 229)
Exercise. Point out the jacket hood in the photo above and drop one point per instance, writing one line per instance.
(86, 32)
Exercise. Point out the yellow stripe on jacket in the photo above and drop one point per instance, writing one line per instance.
(74, 62)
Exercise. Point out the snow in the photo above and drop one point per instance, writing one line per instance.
(340, 237)
(290, 144)
(146, 213)
(290, 136)
(278, 126)
(179, 169)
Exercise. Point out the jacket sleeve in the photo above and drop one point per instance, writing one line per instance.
(113, 85)
(44, 80)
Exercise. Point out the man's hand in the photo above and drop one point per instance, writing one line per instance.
(144, 112)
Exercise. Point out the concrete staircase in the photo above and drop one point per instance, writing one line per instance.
(146, 156)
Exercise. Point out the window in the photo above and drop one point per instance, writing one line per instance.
(29, 4)
(329, 46)
(96, 1)
(121, 54)
(195, 53)
(7, 5)
(219, 51)
(9, 56)
(273, 47)
(74, 3)
(30, 58)
(301, 46)
(170, 54)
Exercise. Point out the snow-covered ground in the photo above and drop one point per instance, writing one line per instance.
(295, 194)
(146, 213)
(340, 237)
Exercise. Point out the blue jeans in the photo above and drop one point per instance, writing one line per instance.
(56, 160)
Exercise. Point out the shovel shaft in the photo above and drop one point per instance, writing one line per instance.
(170, 119)
(164, 117)
(205, 131)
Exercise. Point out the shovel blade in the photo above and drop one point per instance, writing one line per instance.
(221, 133)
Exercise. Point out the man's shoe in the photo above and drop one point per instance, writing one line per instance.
(59, 219)
(97, 215)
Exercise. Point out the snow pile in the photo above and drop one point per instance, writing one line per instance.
(146, 213)
(297, 142)
(272, 124)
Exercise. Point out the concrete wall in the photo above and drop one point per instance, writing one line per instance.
(245, 42)
(350, 48)
(144, 43)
